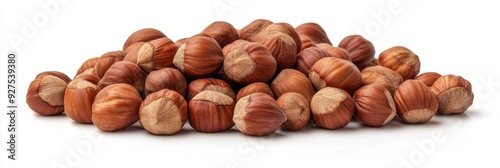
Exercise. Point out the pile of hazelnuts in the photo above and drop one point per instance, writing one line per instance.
(261, 78)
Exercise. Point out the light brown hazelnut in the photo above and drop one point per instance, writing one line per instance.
(287, 29)
(380, 75)
(314, 31)
(282, 47)
(335, 72)
(307, 57)
(291, 80)
(116, 107)
(360, 49)
(250, 63)
(156, 54)
(79, 97)
(200, 56)
(166, 78)
(223, 32)
(258, 114)
(255, 87)
(336, 52)
(332, 108)
(90, 63)
(251, 30)
(306, 42)
(374, 105)
(428, 78)
(296, 109)
(163, 112)
(211, 111)
(401, 60)
(415, 102)
(46, 93)
(124, 72)
(212, 84)
(454, 94)
(143, 35)
(106, 60)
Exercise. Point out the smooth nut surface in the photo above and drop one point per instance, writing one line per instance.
(374, 105)
(415, 102)
(254, 87)
(360, 49)
(79, 97)
(166, 78)
(143, 35)
(307, 57)
(124, 72)
(332, 108)
(116, 107)
(314, 31)
(382, 76)
(223, 32)
(45, 94)
(200, 56)
(163, 112)
(212, 84)
(282, 47)
(335, 72)
(250, 63)
(255, 27)
(428, 78)
(156, 54)
(290, 80)
(211, 111)
(258, 114)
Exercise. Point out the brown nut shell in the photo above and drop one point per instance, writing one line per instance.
(212, 84)
(258, 114)
(314, 31)
(255, 27)
(454, 94)
(374, 105)
(254, 87)
(401, 60)
(106, 61)
(415, 102)
(360, 49)
(143, 35)
(163, 112)
(332, 108)
(200, 56)
(307, 57)
(156, 54)
(250, 63)
(79, 97)
(124, 72)
(291, 80)
(287, 29)
(166, 78)
(282, 47)
(223, 32)
(116, 107)
(90, 63)
(380, 75)
(297, 111)
(428, 78)
(211, 111)
(45, 94)
(336, 52)
(335, 72)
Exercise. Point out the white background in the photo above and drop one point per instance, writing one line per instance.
(452, 37)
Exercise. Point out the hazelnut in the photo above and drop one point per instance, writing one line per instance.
(250, 63)
(88, 64)
(236, 44)
(401, 60)
(291, 80)
(314, 31)
(132, 50)
(380, 75)
(79, 96)
(332, 108)
(415, 102)
(251, 30)
(307, 57)
(258, 114)
(116, 107)
(335, 72)
(223, 32)
(156, 54)
(181, 41)
(373, 62)
(46, 93)
(143, 35)
(254, 87)
(360, 49)
(374, 105)
(282, 47)
(211, 111)
(106, 60)
(306, 42)
(336, 52)
(199, 56)
(296, 109)
(287, 29)
(428, 78)
(454, 94)
(212, 84)
(163, 112)
(124, 72)
(166, 78)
